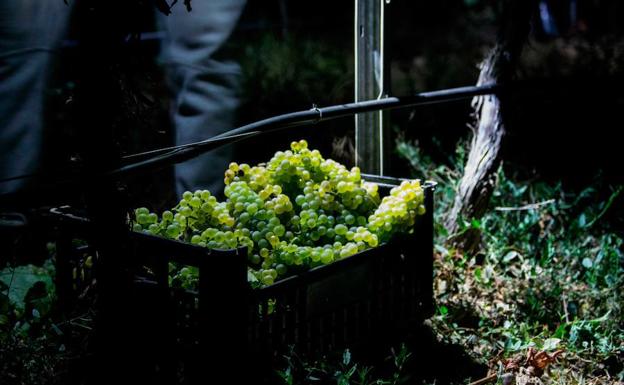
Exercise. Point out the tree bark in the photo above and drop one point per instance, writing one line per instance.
(479, 179)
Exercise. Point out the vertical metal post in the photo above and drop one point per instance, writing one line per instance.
(371, 80)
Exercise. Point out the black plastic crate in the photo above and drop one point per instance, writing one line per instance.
(372, 296)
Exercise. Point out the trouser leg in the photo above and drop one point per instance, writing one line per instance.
(30, 32)
(205, 88)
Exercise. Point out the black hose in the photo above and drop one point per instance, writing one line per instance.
(156, 159)
(315, 115)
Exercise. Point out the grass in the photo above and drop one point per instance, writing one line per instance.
(345, 371)
(549, 275)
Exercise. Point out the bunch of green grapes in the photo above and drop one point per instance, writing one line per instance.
(256, 177)
(294, 168)
(293, 213)
(195, 213)
(260, 215)
(398, 211)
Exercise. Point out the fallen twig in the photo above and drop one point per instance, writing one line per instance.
(531, 206)
(485, 380)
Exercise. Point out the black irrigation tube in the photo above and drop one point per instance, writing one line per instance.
(156, 159)
(300, 118)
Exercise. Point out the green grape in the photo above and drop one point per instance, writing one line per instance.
(252, 209)
(143, 218)
(267, 279)
(340, 229)
(279, 230)
(327, 256)
(263, 244)
(281, 269)
(173, 231)
(195, 202)
(315, 256)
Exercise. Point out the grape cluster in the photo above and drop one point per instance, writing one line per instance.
(195, 213)
(295, 212)
(397, 212)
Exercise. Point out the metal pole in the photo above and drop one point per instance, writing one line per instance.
(371, 82)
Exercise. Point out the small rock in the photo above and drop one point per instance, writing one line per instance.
(508, 379)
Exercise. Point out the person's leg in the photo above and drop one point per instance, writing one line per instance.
(204, 88)
(30, 32)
